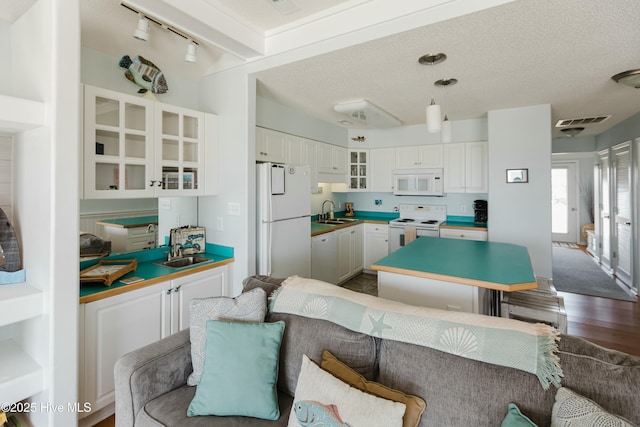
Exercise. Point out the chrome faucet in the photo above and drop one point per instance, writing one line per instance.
(175, 249)
(333, 206)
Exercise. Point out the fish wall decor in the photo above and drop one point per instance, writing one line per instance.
(145, 74)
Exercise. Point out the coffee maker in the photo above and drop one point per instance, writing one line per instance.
(480, 208)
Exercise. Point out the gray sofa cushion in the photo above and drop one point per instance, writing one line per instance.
(170, 410)
(460, 391)
(609, 378)
(311, 336)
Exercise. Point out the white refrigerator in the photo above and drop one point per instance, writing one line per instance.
(284, 223)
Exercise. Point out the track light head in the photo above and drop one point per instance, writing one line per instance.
(142, 32)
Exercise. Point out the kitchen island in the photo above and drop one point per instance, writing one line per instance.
(453, 274)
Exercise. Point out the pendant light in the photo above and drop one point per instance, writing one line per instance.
(446, 134)
(447, 131)
(433, 112)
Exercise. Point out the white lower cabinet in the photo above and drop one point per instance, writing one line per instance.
(324, 249)
(338, 255)
(463, 233)
(128, 239)
(113, 326)
(376, 243)
(350, 251)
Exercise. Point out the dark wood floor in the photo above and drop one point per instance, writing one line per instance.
(606, 322)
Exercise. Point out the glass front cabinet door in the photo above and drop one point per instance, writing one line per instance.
(358, 173)
(118, 145)
(180, 151)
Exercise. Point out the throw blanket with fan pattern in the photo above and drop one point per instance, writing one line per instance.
(497, 340)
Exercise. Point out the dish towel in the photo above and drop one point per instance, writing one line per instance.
(497, 340)
(410, 234)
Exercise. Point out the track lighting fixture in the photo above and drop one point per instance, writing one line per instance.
(142, 32)
(191, 55)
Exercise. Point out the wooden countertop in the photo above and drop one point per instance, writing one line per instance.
(491, 265)
(149, 270)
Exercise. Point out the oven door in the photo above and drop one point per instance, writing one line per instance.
(396, 236)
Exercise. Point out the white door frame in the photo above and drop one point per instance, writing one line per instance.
(623, 272)
(604, 227)
(573, 205)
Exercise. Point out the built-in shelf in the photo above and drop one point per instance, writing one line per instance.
(20, 375)
(18, 114)
(19, 302)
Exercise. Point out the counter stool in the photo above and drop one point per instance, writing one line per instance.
(536, 305)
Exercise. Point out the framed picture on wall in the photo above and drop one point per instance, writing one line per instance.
(517, 176)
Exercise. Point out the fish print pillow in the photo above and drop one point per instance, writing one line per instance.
(322, 400)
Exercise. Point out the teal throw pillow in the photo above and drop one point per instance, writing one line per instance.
(515, 418)
(240, 370)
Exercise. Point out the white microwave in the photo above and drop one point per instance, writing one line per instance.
(417, 182)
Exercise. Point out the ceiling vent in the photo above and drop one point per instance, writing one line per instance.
(367, 113)
(582, 121)
(284, 6)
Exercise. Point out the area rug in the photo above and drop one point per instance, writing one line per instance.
(565, 245)
(575, 272)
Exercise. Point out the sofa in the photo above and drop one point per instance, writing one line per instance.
(151, 382)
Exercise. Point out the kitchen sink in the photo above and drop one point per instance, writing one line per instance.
(336, 221)
(185, 261)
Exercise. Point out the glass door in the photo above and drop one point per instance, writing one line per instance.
(180, 151)
(118, 153)
(563, 202)
(358, 165)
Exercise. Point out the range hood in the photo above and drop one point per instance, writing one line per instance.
(367, 113)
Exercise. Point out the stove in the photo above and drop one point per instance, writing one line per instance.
(420, 216)
(425, 219)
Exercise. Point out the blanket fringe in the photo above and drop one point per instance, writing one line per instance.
(549, 369)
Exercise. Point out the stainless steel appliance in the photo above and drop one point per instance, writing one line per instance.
(417, 182)
(284, 225)
(424, 219)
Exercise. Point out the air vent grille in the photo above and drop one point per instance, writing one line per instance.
(581, 121)
(284, 6)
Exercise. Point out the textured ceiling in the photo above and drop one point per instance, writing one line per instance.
(523, 53)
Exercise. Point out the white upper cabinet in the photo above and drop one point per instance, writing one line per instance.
(118, 145)
(332, 159)
(271, 146)
(419, 156)
(358, 170)
(136, 148)
(381, 171)
(179, 158)
(465, 167)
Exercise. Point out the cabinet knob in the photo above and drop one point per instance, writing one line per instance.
(177, 289)
(153, 182)
(169, 291)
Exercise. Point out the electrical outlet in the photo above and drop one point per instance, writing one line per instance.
(463, 208)
(219, 224)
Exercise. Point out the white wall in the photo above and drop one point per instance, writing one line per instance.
(231, 95)
(521, 213)
(102, 70)
(46, 66)
(272, 115)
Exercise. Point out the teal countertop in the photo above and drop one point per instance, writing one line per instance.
(492, 265)
(149, 270)
(130, 222)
